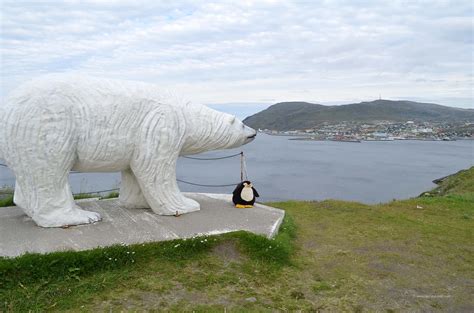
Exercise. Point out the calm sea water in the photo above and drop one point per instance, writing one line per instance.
(281, 169)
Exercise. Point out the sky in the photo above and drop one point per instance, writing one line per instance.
(242, 56)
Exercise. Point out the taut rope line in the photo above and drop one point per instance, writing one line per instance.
(210, 159)
(243, 174)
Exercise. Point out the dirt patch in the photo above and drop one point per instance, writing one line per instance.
(390, 268)
(228, 252)
(310, 244)
(153, 300)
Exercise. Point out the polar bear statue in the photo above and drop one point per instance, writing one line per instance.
(58, 123)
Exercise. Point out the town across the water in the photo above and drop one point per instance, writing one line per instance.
(382, 131)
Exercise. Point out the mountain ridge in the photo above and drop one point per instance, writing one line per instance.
(301, 115)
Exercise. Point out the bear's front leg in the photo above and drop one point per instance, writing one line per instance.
(161, 191)
(154, 163)
(21, 200)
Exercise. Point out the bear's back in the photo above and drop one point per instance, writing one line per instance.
(91, 90)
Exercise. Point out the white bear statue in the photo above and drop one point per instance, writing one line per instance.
(58, 123)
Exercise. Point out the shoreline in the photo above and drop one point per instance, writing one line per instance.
(371, 140)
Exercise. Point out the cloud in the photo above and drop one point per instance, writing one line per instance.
(231, 51)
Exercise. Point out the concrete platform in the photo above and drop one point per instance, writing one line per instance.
(19, 234)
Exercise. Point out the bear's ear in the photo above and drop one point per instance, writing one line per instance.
(232, 120)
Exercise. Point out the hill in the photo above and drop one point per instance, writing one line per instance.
(461, 182)
(412, 255)
(301, 115)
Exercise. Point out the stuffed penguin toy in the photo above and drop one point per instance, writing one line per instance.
(244, 195)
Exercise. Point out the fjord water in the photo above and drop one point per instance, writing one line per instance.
(282, 169)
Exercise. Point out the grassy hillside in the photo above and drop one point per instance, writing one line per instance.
(301, 115)
(459, 183)
(411, 255)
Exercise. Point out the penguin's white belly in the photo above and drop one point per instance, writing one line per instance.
(247, 194)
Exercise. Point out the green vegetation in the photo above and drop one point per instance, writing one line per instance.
(459, 183)
(110, 195)
(68, 280)
(410, 255)
(113, 194)
(81, 196)
(6, 196)
(8, 200)
(301, 115)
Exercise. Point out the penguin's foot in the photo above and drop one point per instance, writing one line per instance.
(243, 206)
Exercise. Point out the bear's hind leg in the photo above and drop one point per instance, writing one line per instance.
(131, 195)
(43, 192)
(56, 206)
(41, 156)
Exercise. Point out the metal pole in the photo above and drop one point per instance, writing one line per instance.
(241, 166)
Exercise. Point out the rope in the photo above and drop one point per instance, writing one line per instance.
(194, 184)
(209, 159)
(243, 173)
(100, 191)
(75, 194)
(115, 189)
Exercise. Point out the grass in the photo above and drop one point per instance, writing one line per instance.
(113, 194)
(8, 199)
(110, 195)
(6, 196)
(461, 182)
(410, 255)
(63, 280)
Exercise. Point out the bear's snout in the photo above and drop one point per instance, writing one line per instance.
(251, 134)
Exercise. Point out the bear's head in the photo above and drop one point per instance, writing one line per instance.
(208, 129)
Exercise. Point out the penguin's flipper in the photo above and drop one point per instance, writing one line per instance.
(255, 192)
(238, 189)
